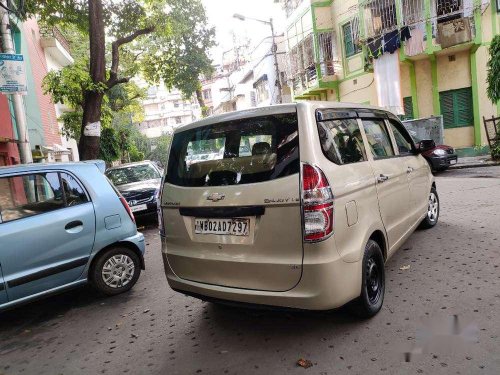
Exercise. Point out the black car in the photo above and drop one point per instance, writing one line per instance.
(139, 183)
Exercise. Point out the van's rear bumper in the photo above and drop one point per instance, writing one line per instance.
(327, 282)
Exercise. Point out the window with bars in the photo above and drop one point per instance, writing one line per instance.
(350, 38)
(327, 58)
(456, 108)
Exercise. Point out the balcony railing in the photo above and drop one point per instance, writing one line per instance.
(304, 61)
(381, 17)
(53, 32)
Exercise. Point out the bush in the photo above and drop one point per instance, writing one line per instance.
(495, 150)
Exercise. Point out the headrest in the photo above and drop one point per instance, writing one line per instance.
(261, 148)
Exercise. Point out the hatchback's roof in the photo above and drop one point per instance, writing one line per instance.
(20, 168)
(125, 165)
(274, 110)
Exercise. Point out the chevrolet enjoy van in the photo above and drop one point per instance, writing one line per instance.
(307, 220)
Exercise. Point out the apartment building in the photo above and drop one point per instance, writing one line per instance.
(419, 58)
(165, 110)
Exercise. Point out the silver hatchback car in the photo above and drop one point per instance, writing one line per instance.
(301, 209)
(62, 225)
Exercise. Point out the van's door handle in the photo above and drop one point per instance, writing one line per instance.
(382, 178)
(409, 170)
(73, 225)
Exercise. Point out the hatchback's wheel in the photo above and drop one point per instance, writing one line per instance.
(432, 216)
(116, 271)
(371, 299)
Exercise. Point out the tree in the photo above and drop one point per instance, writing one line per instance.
(163, 40)
(160, 153)
(493, 78)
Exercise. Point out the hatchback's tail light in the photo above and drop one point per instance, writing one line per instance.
(317, 200)
(127, 208)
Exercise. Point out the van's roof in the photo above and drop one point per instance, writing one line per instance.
(274, 110)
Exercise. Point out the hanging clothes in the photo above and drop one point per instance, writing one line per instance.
(375, 47)
(392, 42)
(405, 33)
(388, 82)
(416, 44)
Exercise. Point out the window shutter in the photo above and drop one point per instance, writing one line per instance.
(464, 113)
(348, 42)
(456, 108)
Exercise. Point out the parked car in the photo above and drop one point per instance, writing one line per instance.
(139, 183)
(439, 157)
(61, 226)
(308, 220)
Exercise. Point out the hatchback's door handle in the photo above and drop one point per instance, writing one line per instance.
(73, 225)
(382, 178)
(409, 170)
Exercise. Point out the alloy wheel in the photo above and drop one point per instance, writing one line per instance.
(118, 271)
(432, 211)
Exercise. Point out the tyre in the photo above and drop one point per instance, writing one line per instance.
(369, 303)
(432, 217)
(115, 271)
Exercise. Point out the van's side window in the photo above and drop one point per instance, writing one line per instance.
(378, 139)
(404, 145)
(73, 190)
(30, 195)
(341, 141)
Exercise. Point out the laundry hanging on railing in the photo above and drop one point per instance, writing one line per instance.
(388, 83)
(388, 43)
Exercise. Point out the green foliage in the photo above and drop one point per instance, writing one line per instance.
(110, 147)
(495, 150)
(493, 78)
(160, 153)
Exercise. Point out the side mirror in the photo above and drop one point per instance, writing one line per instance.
(426, 145)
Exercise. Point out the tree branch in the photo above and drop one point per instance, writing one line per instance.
(115, 55)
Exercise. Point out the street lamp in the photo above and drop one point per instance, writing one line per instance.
(274, 50)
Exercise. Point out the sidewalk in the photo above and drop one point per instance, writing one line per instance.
(474, 162)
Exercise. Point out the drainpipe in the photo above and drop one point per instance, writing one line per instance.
(17, 100)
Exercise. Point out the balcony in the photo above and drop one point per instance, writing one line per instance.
(447, 23)
(312, 62)
(54, 42)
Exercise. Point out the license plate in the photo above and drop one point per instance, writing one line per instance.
(232, 227)
(453, 162)
(141, 207)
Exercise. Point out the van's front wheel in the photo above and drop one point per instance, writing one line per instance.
(370, 301)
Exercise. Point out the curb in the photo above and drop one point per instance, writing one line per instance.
(476, 165)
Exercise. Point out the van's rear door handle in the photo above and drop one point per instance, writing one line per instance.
(409, 170)
(382, 178)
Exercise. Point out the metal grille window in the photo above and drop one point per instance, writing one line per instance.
(456, 108)
(327, 55)
(350, 40)
(380, 17)
(413, 12)
(408, 108)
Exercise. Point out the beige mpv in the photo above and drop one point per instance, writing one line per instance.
(296, 205)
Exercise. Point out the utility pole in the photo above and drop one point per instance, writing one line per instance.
(17, 100)
(274, 50)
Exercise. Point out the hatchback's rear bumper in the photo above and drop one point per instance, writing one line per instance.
(327, 282)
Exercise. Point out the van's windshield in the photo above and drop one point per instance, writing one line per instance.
(235, 152)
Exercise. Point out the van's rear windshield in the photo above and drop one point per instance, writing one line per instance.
(235, 152)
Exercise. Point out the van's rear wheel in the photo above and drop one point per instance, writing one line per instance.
(371, 299)
(116, 271)
(432, 216)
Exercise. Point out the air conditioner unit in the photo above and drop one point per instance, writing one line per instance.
(454, 32)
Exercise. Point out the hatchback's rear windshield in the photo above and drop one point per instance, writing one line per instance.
(235, 152)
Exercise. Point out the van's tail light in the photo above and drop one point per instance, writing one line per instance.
(127, 207)
(317, 200)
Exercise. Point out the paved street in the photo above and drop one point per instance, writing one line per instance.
(454, 270)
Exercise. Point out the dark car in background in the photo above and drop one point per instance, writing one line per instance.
(439, 157)
(139, 183)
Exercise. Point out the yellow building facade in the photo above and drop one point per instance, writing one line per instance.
(441, 66)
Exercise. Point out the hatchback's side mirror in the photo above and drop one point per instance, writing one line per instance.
(426, 145)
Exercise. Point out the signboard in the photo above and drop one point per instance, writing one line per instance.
(12, 74)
